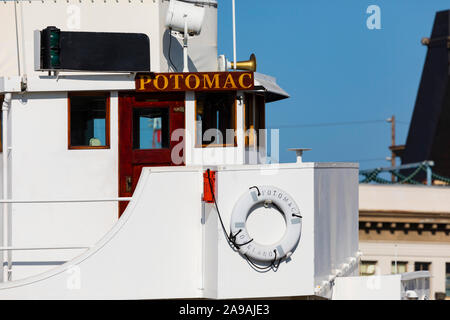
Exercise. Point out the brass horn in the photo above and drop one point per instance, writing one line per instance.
(249, 65)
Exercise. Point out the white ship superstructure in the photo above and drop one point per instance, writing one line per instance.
(127, 184)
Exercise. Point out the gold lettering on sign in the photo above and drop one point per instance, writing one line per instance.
(156, 82)
(195, 81)
(177, 80)
(241, 80)
(230, 81)
(214, 83)
(188, 81)
(144, 80)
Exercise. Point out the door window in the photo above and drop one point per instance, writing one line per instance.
(150, 128)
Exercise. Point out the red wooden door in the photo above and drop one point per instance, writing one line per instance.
(146, 125)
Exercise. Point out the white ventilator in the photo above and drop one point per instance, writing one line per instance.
(267, 196)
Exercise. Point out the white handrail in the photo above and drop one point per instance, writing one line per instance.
(6, 267)
(66, 200)
(41, 248)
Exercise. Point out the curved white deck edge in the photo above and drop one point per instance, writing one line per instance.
(108, 270)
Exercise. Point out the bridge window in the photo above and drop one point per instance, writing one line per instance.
(254, 119)
(88, 121)
(215, 119)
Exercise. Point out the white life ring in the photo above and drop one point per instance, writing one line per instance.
(284, 202)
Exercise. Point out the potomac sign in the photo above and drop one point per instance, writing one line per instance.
(194, 81)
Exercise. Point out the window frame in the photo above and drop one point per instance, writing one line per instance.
(133, 127)
(423, 263)
(225, 145)
(399, 262)
(107, 119)
(259, 117)
(373, 263)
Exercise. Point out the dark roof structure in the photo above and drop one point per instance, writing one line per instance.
(429, 131)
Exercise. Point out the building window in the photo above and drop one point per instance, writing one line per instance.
(399, 267)
(89, 121)
(254, 119)
(422, 266)
(367, 268)
(447, 280)
(215, 116)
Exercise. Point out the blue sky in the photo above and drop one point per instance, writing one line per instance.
(335, 69)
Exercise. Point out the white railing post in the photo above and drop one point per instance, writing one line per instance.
(5, 220)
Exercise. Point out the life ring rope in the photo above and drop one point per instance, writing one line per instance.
(232, 238)
(255, 187)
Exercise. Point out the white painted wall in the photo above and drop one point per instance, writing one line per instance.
(386, 287)
(368, 288)
(100, 16)
(387, 252)
(176, 249)
(97, 16)
(44, 168)
(1, 215)
(153, 252)
(336, 231)
(235, 276)
(9, 63)
(406, 198)
(315, 258)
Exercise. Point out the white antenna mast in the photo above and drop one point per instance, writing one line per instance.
(234, 34)
(185, 44)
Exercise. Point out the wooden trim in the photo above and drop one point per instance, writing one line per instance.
(107, 120)
(262, 114)
(131, 161)
(256, 115)
(196, 145)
